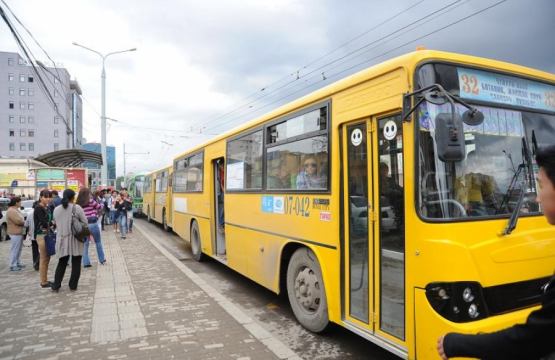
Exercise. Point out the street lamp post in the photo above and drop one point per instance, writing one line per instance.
(124, 154)
(104, 171)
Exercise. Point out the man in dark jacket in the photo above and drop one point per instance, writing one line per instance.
(56, 200)
(535, 338)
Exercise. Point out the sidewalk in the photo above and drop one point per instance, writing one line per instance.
(144, 304)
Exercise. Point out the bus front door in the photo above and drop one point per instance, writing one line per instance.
(374, 272)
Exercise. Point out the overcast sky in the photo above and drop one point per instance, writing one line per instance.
(196, 60)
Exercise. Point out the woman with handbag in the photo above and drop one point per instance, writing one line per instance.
(43, 225)
(30, 224)
(15, 229)
(91, 209)
(67, 243)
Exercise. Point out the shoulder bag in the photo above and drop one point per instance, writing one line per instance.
(80, 229)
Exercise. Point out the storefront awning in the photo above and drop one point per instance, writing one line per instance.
(70, 158)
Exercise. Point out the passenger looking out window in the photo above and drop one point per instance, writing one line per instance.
(313, 176)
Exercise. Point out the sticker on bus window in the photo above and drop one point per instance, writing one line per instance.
(325, 216)
(390, 130)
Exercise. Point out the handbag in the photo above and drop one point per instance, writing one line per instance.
(27, 241)
(80, 229)
(50, 242)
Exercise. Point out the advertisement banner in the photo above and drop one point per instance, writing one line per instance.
(6, 180)
(50, 174)
(76, 179)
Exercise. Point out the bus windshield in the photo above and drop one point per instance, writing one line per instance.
(491, 178)
(139, 188)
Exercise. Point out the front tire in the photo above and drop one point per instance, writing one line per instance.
(196, 244)
(306, 291)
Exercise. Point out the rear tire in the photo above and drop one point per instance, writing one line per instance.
(148, 218)
(3, 233)
(306, 291)
(196, 244)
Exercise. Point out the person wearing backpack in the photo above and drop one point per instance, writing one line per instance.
(66, 243)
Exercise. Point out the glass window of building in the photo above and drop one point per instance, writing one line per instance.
(21, 78)
(56, 146)
(31, 133)
(56, 106)
(22, 146)
(12, 147)
(56, 80)
(31, 119)
(22, 119)
(56, 93)
(22, 105)
(10, 105)
(10, 61)
(12, 118)
(10, 91)
(10, 77)
(55, 133)
(21, 92)
(30, 78)
(31, 106)
(12, 132)
(22, 133)
(31, 147)
(31, 92)
(56, 120)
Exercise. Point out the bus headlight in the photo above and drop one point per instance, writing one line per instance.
(458, 301)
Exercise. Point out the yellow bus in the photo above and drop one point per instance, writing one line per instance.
(158, 197)
(398, 202)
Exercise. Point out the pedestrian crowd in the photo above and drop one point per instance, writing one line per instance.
(51, 228)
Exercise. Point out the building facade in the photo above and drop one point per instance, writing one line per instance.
(30, 124)
(95, 169)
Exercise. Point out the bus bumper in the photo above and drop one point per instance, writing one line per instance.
(430, 326)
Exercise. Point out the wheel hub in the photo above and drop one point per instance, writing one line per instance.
(307, 290)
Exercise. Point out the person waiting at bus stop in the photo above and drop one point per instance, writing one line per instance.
(91, 208)
(533, 339)
(15, 222)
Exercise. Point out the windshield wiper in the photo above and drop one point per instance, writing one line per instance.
(523, 186)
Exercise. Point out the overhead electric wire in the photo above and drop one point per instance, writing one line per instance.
(21, 44)
(203, 122)
(343, 57)
(359, 64)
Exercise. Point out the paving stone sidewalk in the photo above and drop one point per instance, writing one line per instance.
(143, 304)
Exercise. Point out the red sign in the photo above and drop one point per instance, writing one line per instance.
(76, 179)
(325, 216)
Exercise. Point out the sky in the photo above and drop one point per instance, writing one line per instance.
(200, 65)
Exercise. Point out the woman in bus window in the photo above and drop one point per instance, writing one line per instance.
(310, 177)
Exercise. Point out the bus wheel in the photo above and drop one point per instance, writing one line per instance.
(305, 287)
(196, 245)
(148, 218)
(165, 221)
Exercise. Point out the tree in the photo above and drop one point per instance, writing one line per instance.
(119, 182)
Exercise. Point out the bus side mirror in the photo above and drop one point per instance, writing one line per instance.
(450, 137)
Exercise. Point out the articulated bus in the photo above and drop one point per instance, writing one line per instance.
(135, 188)
(398, 202)
(157, 203)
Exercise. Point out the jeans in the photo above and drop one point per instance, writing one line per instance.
(130, 219)
(95, 232)
(122, 224)
(221, 216)
(113, 216)
(61, 270)
(17, 246)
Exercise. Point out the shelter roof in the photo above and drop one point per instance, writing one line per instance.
(70, 158)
